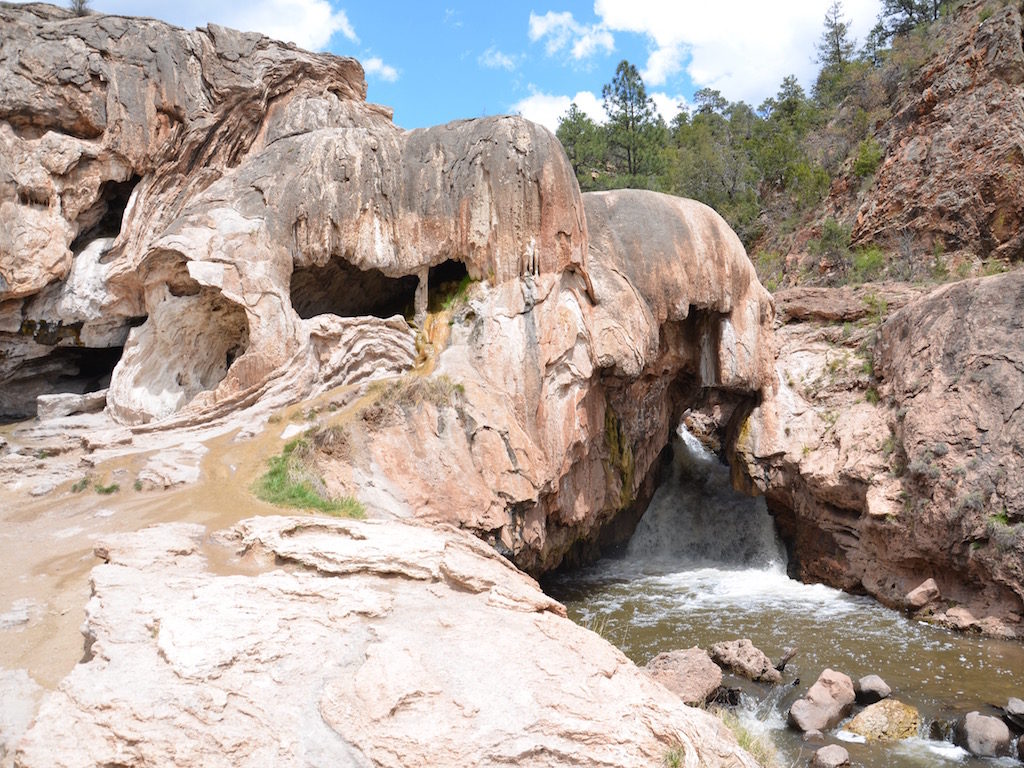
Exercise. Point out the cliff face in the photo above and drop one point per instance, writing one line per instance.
(888, 452)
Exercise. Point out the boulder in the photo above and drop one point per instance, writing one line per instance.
(742, 658)
(832, 756)
(347, 643)
(982, 735)
(1013, 712)
(825, 703)
(871, 688)
(923, 594)
(67, 403)
(888, 720)
(690, 674)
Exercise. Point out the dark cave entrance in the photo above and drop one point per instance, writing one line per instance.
(105, 217)
(445, 281)
(347, 291)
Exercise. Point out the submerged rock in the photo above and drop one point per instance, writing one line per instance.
(870, 689)
(741, 657)
(888, 720)
(982, 735)
(826, 703)
(348, 643)
(690, 674)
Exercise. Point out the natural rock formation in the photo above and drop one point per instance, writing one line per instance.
(546, 414)
(832, 756)
(982, 735)
(888, 450)
(690, 674)
(742, 658)
(348, 643)
(206, 182)
(871, 689)
(1013, 712)
(888, 720)
(824, 704)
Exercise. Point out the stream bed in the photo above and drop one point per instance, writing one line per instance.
(705, 565)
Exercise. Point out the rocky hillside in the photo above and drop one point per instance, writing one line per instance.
(946, 195)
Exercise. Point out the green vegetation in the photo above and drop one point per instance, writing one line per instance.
(81, 485)
(675, 758)
(292, 480)
(106, 490)
(766, 168)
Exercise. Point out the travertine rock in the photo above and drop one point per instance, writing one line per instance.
(690, 674)
(741, 657)
(824, 704)
(356, 643)
(888, 720)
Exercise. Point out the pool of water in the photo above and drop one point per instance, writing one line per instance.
(705, 565)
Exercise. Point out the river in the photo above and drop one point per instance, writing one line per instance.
(706, 565)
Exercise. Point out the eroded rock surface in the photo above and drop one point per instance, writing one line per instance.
(689, 673)
(743, 658)
(887, 720)
(888, 451)
(366, 644)
(825, 703)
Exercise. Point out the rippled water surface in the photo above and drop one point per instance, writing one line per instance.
(705, 565)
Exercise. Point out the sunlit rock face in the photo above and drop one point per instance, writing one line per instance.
(160, 188)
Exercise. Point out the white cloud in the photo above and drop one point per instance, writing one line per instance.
(376, 67)
(561, 30)
(307, 23)
(668, 106)
(492, 58)
(744, 48)
(547, 109)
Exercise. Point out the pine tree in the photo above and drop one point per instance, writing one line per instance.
(835, 49)
(633, 127)
(584, 144)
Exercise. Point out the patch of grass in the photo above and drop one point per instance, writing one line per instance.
(770, 268)
(106, 490)
(409, 393)
(137, 485)
(292, 481)
(674, 758)
(81, 485)
(1000, 518)
(868, 264)
(759, 746)
(872, 396)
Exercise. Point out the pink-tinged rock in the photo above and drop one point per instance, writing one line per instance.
(870, 689)
(982, 735)
(690, 674)
(348, 643)
(825, 703)
(741, 657)
(832, 756)
(926, 592)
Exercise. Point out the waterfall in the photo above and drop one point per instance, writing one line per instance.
(697, 519)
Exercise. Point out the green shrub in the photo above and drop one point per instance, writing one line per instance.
(868, 264)
(869, 157)
(81, 485)
(106, 490)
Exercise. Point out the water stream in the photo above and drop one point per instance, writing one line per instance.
(705, 565)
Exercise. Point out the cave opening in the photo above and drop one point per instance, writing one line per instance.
(339, 288)
(65, 370)
(445, 281)
(105, 217)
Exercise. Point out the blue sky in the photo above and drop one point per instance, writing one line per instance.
(438, 61)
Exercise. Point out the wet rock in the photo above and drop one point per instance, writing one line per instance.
(923, 594)
(825, 703)
(832, 756)
(345, 643)
(67, 404)
(888, 720)
(173, 466)
(982, 735)
(871, 688)
(690, 674)
(742, 658)
(1014, 713)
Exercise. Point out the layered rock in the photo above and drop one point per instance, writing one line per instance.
(888, 452)
(210, 185)
(348, 643)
